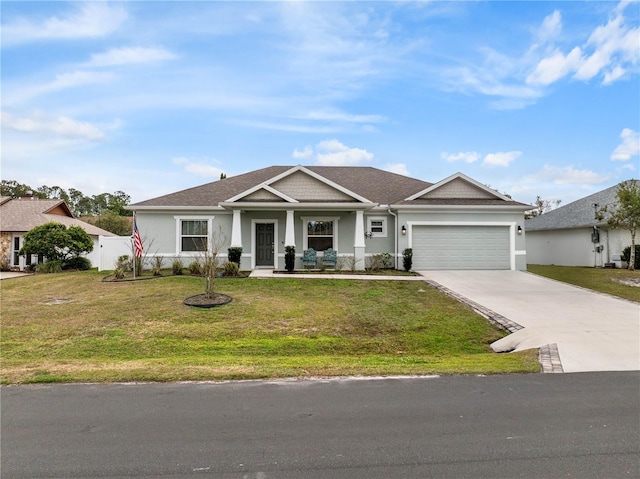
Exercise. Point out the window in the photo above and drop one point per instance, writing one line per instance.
(194, 235)
(377, 226)
(320, 233)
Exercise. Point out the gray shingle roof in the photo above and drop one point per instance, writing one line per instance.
(19, 215)
(579, 214)
(378, 186)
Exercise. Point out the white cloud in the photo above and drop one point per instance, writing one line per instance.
(334, 153)
(343, 117)
(570, 176)
(501, 158)
(555, 67)
(90, 20)
(611, 50)
(199, 167)
(15, 94)
(551, 27)
(629, 147)
(130, 55)
(304, 154)
(466, 156)
(398, 168)
(62, 126)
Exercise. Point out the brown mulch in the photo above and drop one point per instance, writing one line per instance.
(203, 301)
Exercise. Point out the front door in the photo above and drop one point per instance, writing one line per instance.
(265, 242)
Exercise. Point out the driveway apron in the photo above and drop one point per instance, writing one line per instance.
(592, 331)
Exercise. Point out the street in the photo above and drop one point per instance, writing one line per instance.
(532, 426)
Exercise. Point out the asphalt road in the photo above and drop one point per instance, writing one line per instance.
(548, 426)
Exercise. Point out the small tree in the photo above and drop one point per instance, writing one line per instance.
(55, 241)
(625, 213)
(541, 207)
(210, 261)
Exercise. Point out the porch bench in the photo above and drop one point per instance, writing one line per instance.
(329, 258)
(309, 258)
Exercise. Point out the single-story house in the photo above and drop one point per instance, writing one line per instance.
(19, 215)
(456, 223)
(572, 236)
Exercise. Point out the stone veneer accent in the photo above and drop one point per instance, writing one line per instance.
(5, 248)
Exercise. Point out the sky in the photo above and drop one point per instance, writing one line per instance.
(531, 98)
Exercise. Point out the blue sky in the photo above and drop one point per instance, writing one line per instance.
(531, 98)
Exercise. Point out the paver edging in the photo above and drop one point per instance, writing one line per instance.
(548, 355)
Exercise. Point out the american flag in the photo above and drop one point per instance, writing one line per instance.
(137, 241)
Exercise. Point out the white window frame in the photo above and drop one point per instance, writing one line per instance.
(179, 220)
(374, 234)
(305, 228)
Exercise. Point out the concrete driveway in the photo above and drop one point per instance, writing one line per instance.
(592, 331)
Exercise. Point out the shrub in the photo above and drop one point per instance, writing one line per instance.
(177, 266)
(124, 263)
(379, 261)
(79, 263)
(156, 268)
(51, 266)
(234, 254)
(118, 273)
(407, 259)
(289, 258)
(230, 269)
(195, 268)
(626, 256)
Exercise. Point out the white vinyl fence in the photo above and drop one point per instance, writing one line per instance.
(111, 248)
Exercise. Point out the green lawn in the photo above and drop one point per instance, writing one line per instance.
(74, 327)
(598, 279)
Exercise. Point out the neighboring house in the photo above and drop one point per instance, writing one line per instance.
(19, 215)
(572, 236)
(457, 223)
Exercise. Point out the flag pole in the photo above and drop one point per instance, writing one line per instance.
(133, 244)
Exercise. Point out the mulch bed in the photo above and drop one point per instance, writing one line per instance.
(203, 301)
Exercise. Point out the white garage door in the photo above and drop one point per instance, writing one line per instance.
(460, 247)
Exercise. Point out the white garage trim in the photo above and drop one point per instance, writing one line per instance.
(510, 224)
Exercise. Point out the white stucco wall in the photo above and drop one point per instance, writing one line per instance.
(573, 247)
(518, 250)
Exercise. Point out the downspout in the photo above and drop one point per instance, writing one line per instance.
(395, 236)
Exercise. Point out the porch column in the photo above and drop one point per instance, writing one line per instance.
(236, 230)
(289, 233)
(358, 241)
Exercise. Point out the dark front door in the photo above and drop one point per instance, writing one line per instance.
(265, 243)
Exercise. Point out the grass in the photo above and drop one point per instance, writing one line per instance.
(73, 327)
(598, 279)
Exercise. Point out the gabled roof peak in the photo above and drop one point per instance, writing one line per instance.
(476, 189)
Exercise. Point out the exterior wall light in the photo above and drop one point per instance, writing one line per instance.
(403, 230)
(519, 229)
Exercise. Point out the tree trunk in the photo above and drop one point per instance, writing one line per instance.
(632, 253)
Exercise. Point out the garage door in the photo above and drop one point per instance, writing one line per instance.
(461, 247)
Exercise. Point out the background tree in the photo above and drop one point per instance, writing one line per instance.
(55, 241)
(79, 203)
(112, 222)
(541, 207)
(625, 213)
